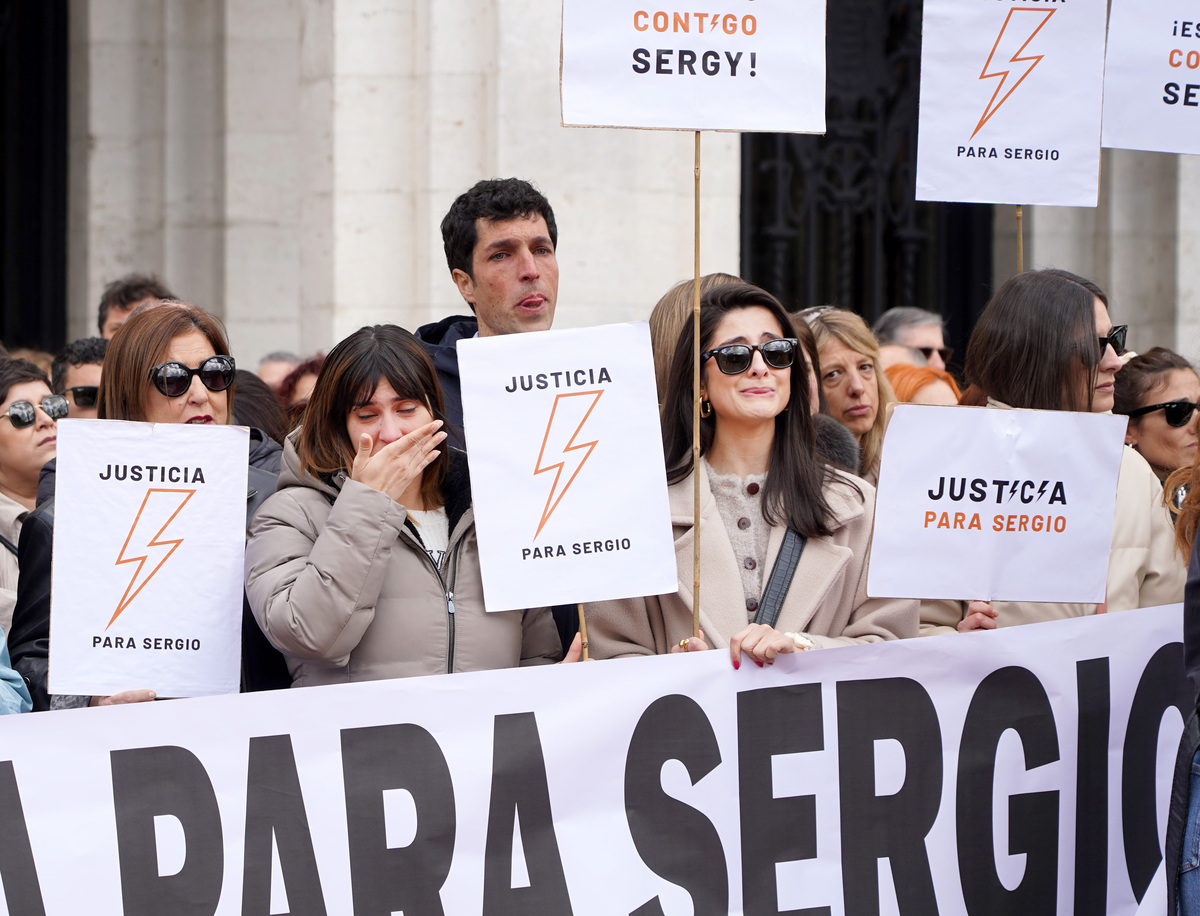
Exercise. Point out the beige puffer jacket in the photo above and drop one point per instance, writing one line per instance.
(341, 585)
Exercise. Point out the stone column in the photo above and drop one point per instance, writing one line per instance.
(287, 163)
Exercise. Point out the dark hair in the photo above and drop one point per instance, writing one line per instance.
(1034, 334)
(348, 379)
(669, 315)
(87, 351)
(140, 345)
(808, 340)
(18, 372)
(887, 329)
(494, 199)
(287, 388)
(258, 407)
(1138, 377)
(127, 291)
(793, 494)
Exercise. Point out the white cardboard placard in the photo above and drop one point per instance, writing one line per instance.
(149, 548)
(748, 65)
(1152, 76)
(995, 505)
(567, 472)
(997, 130)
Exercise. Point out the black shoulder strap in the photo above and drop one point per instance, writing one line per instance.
(780, 579)
(9, 545)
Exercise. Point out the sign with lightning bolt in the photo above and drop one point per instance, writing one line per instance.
(1152, 76)
(148, 559)
(567, 472)
(996, 504)
(1011, 102)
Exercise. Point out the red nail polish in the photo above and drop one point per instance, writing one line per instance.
(736, 664)
(757, 662)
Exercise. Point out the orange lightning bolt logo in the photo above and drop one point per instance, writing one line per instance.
(1031, 22)
(571, 455)
(156, 504)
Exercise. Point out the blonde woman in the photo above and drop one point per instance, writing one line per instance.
(855, 387)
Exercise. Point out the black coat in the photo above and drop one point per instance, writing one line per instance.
(263, 667)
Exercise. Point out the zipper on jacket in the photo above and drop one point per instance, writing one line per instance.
(450, 613)
(449, 600)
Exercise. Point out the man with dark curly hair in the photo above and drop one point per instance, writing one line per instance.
(500, 239)
(75, 373)
(125, 294)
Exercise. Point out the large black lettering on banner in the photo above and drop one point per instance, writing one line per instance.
(275, 811)
(890, 826)
(374, 760)
(1091, 794)
(1011, 698)
(675, 840)
(773, 721)
(1162, 686)
(521, 796)
(150, 782)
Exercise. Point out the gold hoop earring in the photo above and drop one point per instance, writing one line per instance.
(706, 409)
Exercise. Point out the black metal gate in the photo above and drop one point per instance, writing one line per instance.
(33, 172)
(833, 219)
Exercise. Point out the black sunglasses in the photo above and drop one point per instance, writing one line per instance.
(84, 395)
(1176, 412)
(734, 359)
(23, 414)
(174, 378)
(1116, 340)
(944, 352)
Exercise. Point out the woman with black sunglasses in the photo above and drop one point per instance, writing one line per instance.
(1045, 341)
(1159, 391)
(765, 500)
(28, 435)
(168, 363)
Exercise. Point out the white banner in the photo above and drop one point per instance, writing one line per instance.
(1024, 770)
(746, 65)
(149, 546)
(998, 505)
(1010, 102)
(1152, 76)
(567, 475)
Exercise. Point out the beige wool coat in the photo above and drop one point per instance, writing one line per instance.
(827, 600)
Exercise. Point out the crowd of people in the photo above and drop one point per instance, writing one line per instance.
(361, 555)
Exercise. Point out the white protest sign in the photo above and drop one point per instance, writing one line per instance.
(149, 546)
(567, 474)
(1010, 102)
(747, 65)
(1152, 76)
(1018, 771)
(997, 505)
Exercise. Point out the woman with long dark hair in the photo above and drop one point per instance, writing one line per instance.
(1045, 341)
(364, 564)
(764, 498)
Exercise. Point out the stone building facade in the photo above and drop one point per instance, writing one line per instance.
(286, 163)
